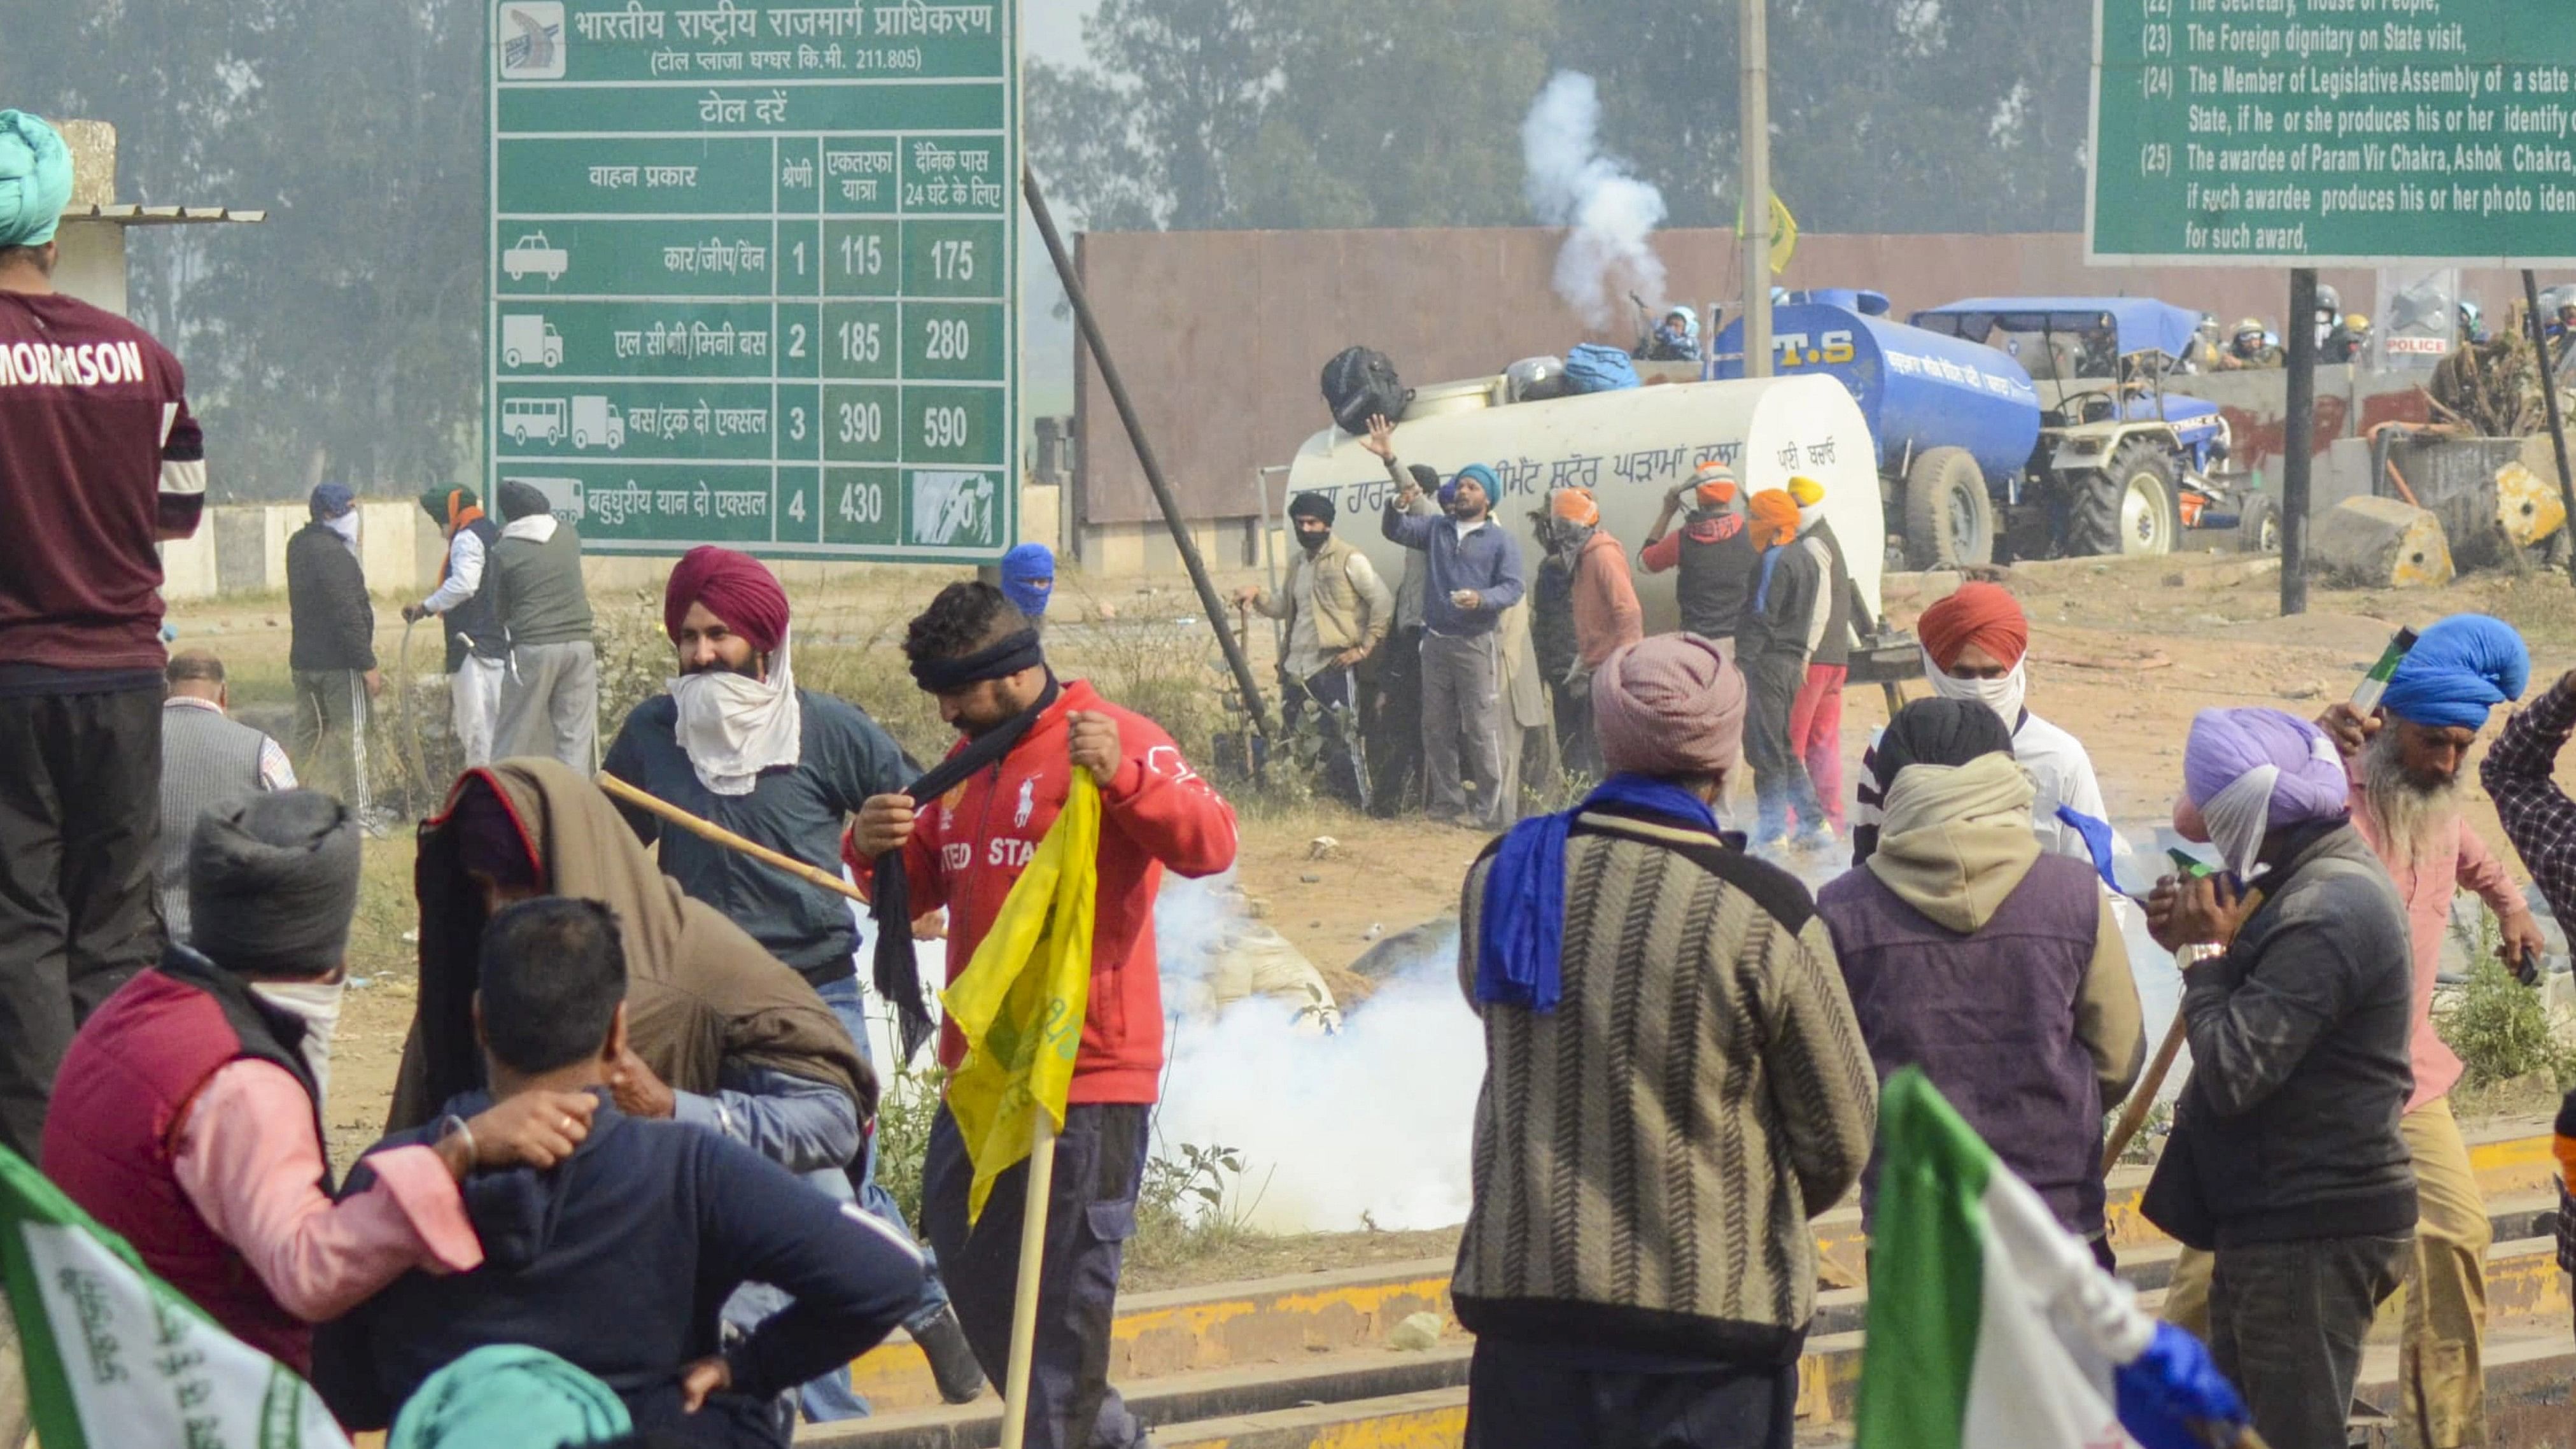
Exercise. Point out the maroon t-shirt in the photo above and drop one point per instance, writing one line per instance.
(98, 458)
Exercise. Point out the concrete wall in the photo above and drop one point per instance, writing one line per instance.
(1221, 336)
(240, 549)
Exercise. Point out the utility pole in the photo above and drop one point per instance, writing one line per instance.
(1756, 203)
(2298, 437)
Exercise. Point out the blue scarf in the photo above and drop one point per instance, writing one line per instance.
(1520, 939)
(1762, 590)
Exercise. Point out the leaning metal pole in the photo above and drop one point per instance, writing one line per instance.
(1189, 550)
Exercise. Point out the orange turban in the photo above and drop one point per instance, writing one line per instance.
(1576, 506)
(1715, 484)
(1775, 517)
(1986, 615)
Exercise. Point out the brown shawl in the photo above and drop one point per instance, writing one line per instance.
(700, 992)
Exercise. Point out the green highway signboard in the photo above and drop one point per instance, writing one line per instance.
(753, 273)
(2339, 132)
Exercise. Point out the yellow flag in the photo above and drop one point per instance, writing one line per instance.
(1784, 233)
(1021, 1001)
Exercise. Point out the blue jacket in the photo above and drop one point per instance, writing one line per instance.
(619, 1260)
(1486, 560)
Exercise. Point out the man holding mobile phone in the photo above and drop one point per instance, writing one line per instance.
(2405, 760)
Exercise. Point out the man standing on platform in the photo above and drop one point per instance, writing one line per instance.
(960, 839)
(736, 743)
(101, 460)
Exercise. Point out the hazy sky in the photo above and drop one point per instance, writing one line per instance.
(1051, 30)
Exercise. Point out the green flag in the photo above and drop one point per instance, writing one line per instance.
(118, 1359)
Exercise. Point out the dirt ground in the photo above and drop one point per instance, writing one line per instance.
(2123, 653)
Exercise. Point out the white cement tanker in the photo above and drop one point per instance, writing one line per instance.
(1629, 447)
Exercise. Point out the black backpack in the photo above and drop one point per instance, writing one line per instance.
(1360, 383)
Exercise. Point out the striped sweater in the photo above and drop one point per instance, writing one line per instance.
(1647, 1155)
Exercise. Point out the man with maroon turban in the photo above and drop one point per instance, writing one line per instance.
(737, 743)
(1975, 647)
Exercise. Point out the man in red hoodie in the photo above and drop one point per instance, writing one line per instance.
(982, 660)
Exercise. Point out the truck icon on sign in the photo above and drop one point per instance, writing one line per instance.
(533, 253)
(527, 338)
(563, 495)
(596, 423)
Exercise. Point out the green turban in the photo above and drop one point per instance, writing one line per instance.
(35, 179)
(503, 1396)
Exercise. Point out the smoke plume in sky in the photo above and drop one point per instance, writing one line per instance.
(1612, 214)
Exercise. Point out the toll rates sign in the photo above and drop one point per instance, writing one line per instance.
(752, 277)
(2333, 131)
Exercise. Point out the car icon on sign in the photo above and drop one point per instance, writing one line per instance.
(532, 253)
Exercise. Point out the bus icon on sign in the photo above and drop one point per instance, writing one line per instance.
(531, 33)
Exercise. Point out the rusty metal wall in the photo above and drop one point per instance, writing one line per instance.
(1222, 335)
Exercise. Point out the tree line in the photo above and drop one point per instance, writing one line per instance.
(344, 338)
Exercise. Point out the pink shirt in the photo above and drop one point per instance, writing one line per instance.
(2427, 891)
(248, 1159)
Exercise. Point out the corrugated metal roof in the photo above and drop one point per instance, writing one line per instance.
(127, 213)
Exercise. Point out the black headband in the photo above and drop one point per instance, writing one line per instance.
(995, 661)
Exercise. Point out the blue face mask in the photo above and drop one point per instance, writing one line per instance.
(1029, 595)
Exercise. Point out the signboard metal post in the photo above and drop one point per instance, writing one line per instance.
(753, 273)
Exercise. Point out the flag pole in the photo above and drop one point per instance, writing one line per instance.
(1024, 1303)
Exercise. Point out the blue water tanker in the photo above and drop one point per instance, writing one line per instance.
(1918, 390)
(2093, 457)
(1955, 421)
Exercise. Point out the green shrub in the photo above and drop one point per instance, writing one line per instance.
(905, 1110)
(2499, 1026)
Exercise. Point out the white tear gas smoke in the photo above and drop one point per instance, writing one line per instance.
(1374, 1124)
(1367, 1126)
(1613, 213)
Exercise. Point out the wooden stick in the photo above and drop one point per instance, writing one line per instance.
(2142, 1099)
(706, 829)
(1024, 1303)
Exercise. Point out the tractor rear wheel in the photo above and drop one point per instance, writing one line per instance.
(1949, 520)
(2130, 508)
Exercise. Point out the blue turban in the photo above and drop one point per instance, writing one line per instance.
(2458, 670)
(35, 179)
(1484, 478)
(331, 500)
(1028, 578)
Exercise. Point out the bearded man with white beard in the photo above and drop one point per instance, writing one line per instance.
(2406, 760)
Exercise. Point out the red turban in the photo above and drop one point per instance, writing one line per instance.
(1986, 615)
(735, 587)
